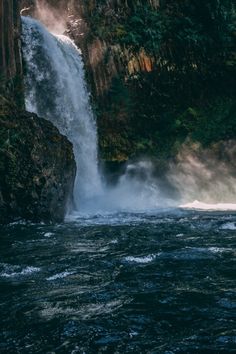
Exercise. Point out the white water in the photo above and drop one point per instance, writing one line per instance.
(56, 89)
(207, 206)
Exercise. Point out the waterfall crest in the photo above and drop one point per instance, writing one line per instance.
(53, 62)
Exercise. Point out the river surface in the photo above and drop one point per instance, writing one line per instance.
(120, 283)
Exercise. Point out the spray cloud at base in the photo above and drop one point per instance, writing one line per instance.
(206, 175)
(199, 178)
(53, 18)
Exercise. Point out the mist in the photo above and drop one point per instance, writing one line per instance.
(55, 19)
(205, 175)
(199, 178)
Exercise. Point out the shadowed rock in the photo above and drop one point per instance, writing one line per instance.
(37, 169)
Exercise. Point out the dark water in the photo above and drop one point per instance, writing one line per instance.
(125, 283)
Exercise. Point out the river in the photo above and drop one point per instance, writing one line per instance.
(154, 282)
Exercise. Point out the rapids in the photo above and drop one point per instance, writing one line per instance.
(120, 283)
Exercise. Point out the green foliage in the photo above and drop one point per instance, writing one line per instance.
(216, 122)
(195, 27)
(190, 92)
(119, 95)
(145, 29)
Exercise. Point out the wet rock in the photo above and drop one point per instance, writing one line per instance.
(37, 169)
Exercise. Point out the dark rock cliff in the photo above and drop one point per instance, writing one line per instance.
(37, 167)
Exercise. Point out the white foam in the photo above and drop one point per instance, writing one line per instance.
(10, 271)
(19, 222)
(228, 226)
(142, 260)
(84, 312)
(59, 276)
(48, 234)
(114, 242)
(205, 206)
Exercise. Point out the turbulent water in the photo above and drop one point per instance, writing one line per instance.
(121, 283)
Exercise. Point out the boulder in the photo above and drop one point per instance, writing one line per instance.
(37, 169)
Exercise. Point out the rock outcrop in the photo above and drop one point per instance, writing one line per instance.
(37, 169)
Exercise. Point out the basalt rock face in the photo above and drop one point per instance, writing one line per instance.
(37, 169)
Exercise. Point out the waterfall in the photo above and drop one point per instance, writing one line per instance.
(56, 89)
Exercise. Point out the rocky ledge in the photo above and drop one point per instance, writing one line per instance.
(37, 169)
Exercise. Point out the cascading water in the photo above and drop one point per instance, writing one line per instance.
(56, 90)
